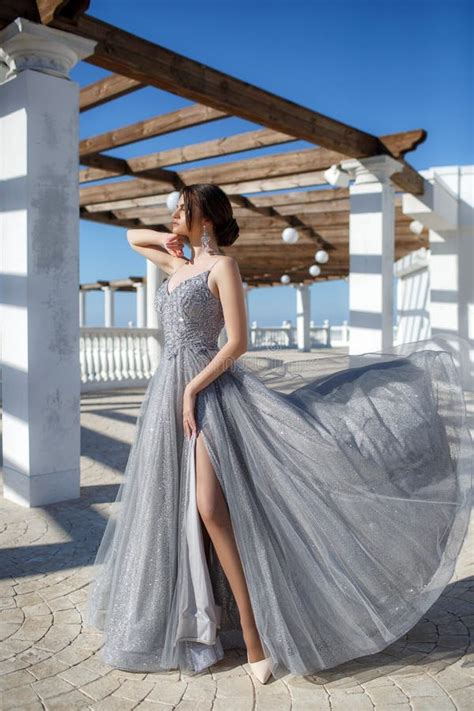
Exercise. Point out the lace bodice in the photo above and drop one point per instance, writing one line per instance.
(190, 314)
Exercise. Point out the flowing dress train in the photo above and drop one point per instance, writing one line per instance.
(349, 497)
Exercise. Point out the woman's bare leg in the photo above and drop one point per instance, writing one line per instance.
(215, 516)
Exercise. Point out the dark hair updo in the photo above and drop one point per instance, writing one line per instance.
(214, 205)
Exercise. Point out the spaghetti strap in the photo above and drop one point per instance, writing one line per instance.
(217, 260)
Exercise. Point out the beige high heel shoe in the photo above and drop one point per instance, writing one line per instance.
(262, 669)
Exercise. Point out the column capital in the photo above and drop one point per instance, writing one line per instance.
(373, 169)
(28, 45)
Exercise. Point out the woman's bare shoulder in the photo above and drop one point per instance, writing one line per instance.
(228, 262)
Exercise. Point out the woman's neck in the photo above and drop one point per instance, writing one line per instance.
(199, 253)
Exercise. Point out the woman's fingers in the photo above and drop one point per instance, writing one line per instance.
(174, 242)
(189, 427)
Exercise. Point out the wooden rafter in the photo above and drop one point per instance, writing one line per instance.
(292, 163)
(321, 216)
(112, 87)
(72, 9)
(41, 11)
(102, 166)
(124, 53)
(194, 115)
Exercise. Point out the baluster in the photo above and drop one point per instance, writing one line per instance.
(131, 357)
(89, 359)
(117, 356)
(103, 357)
(82, 359)
(109, 352)
(138, 358)
(124, 355)
(95, 356)
(147, 351)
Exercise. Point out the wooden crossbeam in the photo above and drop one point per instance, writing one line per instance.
(333, 235)
(102, 167)
(335, 212)
(289, 163)
(157, 202)
(72, 9)
(41, 11)
(107, 167)
(260, 170)
(194, 115)
(104, 90)
(124, 53)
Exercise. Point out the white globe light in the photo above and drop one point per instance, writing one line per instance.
(321, 256)
(314, 270)
(285, 279)
(416, 227)
(290, 235)
(172, 201)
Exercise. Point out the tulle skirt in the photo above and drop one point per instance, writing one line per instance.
(348, 485)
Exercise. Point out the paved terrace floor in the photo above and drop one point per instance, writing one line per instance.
(50, 660)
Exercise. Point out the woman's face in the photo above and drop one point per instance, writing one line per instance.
(178, 225)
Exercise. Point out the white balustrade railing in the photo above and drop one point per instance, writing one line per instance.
(284, 336)
(123, 357)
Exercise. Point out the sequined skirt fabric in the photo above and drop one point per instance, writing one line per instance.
(349, 500)
(349, 497)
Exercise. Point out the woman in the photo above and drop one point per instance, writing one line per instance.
(314, 526)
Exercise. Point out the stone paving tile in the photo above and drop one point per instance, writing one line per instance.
(50, 660)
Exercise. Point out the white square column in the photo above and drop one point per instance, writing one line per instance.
(371, 252)
(247, 288)
(154, 279)
(109, 305)
(413, 294)
(447, 209)
(140, 294)
(303, 317)
(39, 313)
(82, 307)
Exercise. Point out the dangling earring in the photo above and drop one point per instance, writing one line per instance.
(205, 238)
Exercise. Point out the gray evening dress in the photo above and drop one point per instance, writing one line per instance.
(349, 498)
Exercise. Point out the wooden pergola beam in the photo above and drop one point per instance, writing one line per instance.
(41, 11)
(104, 90)
(102, 166)
(194, 115)
(72, 9)
(126, 54)
(158, 202)
(294, 162)
(262, 168)
(335, 235)
(334, 210)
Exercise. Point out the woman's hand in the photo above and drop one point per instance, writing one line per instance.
(189, 402)
(173, 243)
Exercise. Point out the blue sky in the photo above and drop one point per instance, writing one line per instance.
(380, 65)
